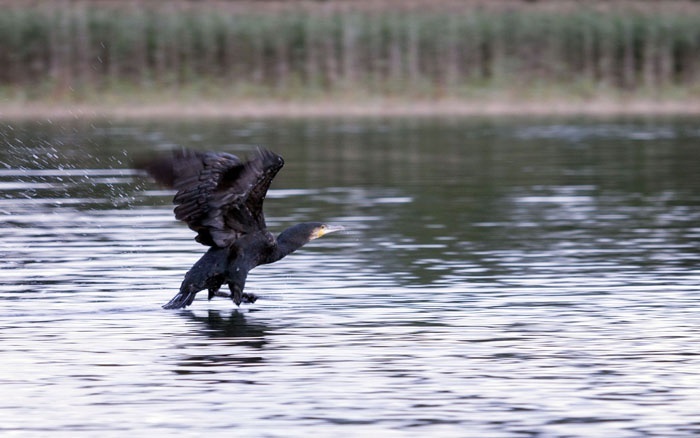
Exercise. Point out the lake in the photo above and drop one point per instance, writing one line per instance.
(497, 277)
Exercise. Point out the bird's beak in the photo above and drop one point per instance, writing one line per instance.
(327, 230)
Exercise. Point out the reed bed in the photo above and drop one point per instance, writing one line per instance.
(300, 49)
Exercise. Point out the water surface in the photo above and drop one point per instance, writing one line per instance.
(498, 278)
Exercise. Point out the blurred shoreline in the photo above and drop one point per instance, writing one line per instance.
(259, 108)
(348, 57)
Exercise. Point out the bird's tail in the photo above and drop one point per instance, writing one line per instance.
(207, 273)
(180, 301)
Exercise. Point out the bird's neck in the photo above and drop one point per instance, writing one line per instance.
(287, 242)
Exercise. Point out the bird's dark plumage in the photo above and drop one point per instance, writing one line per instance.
(218, 195)
(221, 198)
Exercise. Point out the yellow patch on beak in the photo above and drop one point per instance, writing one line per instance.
(325, 229)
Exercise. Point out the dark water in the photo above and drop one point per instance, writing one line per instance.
(522, 278)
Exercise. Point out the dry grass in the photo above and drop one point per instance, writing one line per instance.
(375, 108)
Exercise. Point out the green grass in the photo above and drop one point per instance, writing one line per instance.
(330, 49)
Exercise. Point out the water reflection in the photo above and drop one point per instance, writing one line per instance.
(228, 336)
(232, 327)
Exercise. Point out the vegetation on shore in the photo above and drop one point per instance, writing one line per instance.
(90, 50)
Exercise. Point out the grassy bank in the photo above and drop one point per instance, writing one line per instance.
(94, 52)
(270, 108)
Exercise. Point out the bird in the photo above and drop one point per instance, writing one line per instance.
(220, 197)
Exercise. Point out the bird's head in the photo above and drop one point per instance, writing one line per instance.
(298, 235)
(317, 229)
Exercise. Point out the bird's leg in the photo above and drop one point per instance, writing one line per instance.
(238, 296)
(212, 292)
(215, 292)
(214, 285)
(236, 293)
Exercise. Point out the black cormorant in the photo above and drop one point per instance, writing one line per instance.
(221, 198)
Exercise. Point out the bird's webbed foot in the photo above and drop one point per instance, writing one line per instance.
(249, 298)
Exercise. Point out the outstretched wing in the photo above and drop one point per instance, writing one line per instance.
(264, 165)
(218, 195)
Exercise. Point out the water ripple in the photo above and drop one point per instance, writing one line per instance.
(484, 289)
